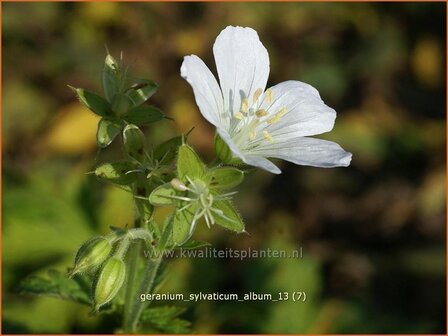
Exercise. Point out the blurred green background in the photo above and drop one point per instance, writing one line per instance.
(373, 234)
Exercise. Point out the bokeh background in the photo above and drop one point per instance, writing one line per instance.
(373, 234)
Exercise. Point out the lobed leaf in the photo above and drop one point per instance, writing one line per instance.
(57, 285)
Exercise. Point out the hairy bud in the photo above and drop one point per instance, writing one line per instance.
(109, 282)
(91, 254)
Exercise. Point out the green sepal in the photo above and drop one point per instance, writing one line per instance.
(142, 115)
(121, 104)
(117, 172)
(134, 142)
(93, 102)
(189, 164)
(111, 77)
(162, 195)
(142, 188)
(183, 220)
(231, 219)
(141, 91)
(166, 152)
(222, 178)
(107, 131)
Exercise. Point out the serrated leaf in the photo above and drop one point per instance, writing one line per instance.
(134, 142)
(117, 172)
(107, 131)
(143, 115)
(230, 219)
(183, 222)
(111, 77)
(56, 285)
(141, 91)
(189, 164)
(93, 102)
(194, 244)
(162, 195)
(166, 152)
(222, 178)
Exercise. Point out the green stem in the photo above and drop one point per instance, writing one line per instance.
(133, 257)
(147, 286)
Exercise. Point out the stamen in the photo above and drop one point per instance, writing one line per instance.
(239, 115)
(257, 94)
(261, 113)
(273, 119)
(244, 105)
(267, 136)
(269, 95)
(282, 112)
(252, 135)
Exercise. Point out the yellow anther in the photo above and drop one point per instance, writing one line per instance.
(252, 135)
(261, 113)
(257, 94)
(273, 119)
(244, 105)
(239, 115)
(267, 136)
(282, 112)
(268, 94)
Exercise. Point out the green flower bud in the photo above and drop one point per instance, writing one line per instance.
(109, 281)
(91, 254)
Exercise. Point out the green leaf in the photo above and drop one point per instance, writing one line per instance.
(141, 91)
(142, 115)
(117, 172)
(111, 77)
(194, 244)
(162, 195)
(92, 101)
(165, 320)
(107, 131)
(230, 219)
(57, 285)
(183, 220)
(189, 164)
(166, 152)
(225, 177)
(134, 143)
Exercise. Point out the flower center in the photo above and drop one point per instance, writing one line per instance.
(248, 126)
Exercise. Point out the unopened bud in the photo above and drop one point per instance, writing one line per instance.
(109, 281)
(91, 254)
(178, 185)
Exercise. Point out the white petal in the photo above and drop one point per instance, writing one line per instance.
(253, 160)
(242, 63)
(306, 113)
(307, 152)
(205, 88)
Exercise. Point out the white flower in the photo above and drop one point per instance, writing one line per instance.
(256, 123)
